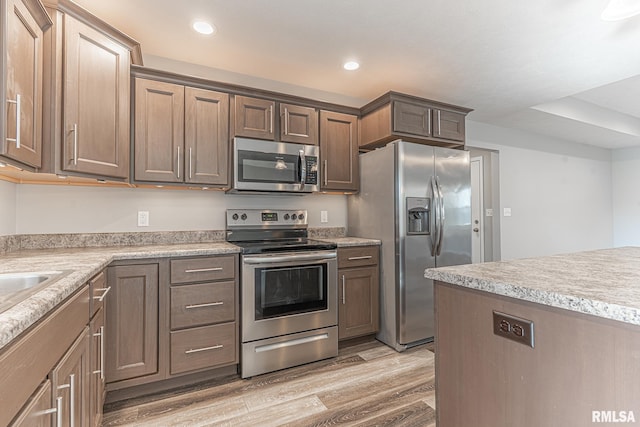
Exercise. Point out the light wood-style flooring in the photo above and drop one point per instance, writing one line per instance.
(368, 384)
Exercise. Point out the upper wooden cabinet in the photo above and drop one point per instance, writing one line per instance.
(298, 124)
(21, 91)
(86, 97)
(339, 152)
(253, 117)
(181, 134)
(395, 116)
(256, 118)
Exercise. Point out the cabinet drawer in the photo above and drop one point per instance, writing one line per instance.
(203, 304)
(358, 256)
(202, 269)
(98, 289)
(204, 347)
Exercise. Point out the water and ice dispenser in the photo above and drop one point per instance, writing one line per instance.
(418, 209)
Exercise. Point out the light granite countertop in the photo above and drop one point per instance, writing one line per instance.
(81, 264)
(344, 242)
(603, 283)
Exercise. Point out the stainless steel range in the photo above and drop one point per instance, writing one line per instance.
(288, 290)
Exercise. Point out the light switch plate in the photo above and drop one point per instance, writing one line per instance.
(489, 212)
(507, 211)
(143, 218)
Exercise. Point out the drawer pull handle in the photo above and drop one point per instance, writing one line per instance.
(197, 350)
(356, 258)
(202, 270)
(101, 297)
(206, 304)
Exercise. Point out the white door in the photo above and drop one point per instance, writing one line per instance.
(477, 221)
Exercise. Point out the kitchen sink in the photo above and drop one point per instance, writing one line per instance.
(15, 287)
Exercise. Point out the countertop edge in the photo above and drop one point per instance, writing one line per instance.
(347, 242)
(591, 307)
(17, 319)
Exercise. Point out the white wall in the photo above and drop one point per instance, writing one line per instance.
(73, 209)
(626, 197)
(7, 208)
(559, 192)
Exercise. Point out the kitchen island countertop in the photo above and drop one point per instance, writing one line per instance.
(603, 283)
(80, 264)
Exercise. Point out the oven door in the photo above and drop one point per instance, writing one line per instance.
(288, 292)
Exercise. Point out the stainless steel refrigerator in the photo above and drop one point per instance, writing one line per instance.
(417, 200)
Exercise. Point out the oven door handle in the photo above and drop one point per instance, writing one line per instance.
(289, 258)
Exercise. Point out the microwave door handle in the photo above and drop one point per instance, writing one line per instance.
(303, 170)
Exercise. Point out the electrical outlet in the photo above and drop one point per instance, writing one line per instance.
(513, 328)
(324, 216)
(143, 218)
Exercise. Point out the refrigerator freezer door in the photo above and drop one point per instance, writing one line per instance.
(414, 169)
(453, 176)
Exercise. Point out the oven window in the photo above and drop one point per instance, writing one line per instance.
(290, 290)
(255, 166)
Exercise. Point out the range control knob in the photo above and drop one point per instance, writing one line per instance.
(286, 216)
(244, 216)
(235, 217)
(294, 217)
(301, 217)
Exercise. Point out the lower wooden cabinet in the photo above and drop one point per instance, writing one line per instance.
(71, 385)
(96, 367)
(358, 294)
(132, 322)
(168, 318)
(48, 362)
(38, 411)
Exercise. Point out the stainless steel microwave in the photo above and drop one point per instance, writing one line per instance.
(272, 167)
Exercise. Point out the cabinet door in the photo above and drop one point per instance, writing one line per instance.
(96, 102)
(96, 368)
(298, 124)
(132, 322)
(39, 411)
(159, 131)
(253, 117)
(414, 119)
(206, 136)
(23, 86)
(70, 383)
(358, 302)
(448, 125)
(339, 151)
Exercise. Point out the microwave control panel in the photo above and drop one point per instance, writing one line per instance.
(312, 170)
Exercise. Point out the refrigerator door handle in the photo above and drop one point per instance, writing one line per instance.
(440, 218)
(434, 211)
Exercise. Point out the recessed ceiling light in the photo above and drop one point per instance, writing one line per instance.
(620, 9)
(204, 27)
(351, 65)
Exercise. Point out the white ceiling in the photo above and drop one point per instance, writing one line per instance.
(499, 57)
